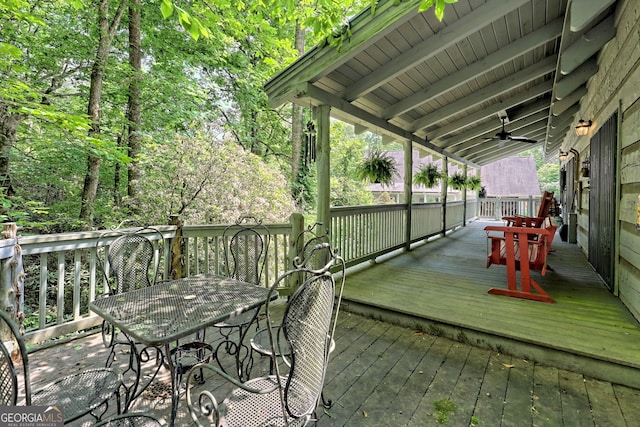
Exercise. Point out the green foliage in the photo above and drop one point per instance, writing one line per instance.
(347, 150)
(457, 181)
(444, 408)
(379, 167)
(473, 182)
(205, 120)
(306, 189)
(427, 175)
(439, 6)
(204, 180)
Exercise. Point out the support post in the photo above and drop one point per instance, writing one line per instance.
(443, 192)
(408, 191)
(323, 161)
(464, 197)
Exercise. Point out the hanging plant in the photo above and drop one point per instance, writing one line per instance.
(474, 183)
(378, 168)
(457, 181)
(427, 176)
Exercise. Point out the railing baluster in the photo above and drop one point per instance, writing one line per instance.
(42, 297)
(60, 301)
(77, 269)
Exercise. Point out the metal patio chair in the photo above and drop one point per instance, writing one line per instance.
(246, 246)
(132, 262)
(87, 392)
(314, 253)
(308, 326)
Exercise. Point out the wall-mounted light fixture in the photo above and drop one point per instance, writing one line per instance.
(586, 166)
(583, 126)
(563, 155)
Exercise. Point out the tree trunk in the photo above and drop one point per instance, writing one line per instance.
(9, 123)
(107, 31)
(297, 127)
(135, 109)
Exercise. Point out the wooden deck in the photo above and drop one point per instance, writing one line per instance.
(441, 287)
(387, 375)
(508, 363)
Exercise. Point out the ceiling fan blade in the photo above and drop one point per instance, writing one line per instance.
(522, 139)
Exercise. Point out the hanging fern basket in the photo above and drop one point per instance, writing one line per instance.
(457, 181)
(379, 168)
(427, 176)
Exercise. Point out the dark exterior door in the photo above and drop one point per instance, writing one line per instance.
(602, 194)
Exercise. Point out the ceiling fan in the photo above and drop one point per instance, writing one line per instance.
(503, 136)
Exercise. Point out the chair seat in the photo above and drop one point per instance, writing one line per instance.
(246, 409)
(237, 321)
(260, 343)
(79, 394)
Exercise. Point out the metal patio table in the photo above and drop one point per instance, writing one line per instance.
(159, 315)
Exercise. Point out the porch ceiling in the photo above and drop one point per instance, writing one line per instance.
(445, 85)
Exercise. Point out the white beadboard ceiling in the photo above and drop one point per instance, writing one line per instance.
(446, 85)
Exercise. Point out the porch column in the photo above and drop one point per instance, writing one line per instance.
(464, 198)
(323, 147)
(443, 192)
(408, 190)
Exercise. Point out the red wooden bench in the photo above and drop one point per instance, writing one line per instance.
(527, 221)
(507, 244)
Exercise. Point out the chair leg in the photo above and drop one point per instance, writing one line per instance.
(326, 404)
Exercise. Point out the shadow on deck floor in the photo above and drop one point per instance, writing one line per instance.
(386, 375)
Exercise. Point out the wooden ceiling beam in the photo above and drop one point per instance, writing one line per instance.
(584, 12)
(478, 68)
(586, 46)
(579, 77)
(558, 107)
(522, 77)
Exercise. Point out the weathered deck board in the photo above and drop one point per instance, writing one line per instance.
(386, 375)
(442, 285)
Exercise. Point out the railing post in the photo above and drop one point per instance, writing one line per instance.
(12, 276)
(177, 256)
(498, 209)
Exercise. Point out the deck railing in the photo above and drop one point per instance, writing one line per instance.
(497, 207)
(64, 274)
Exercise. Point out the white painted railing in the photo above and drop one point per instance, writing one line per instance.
(497, 207)
(362, 233)
(63, 272)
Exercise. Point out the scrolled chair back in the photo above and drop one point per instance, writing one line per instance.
(132, 259)
(306, 327)
(246, 252)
